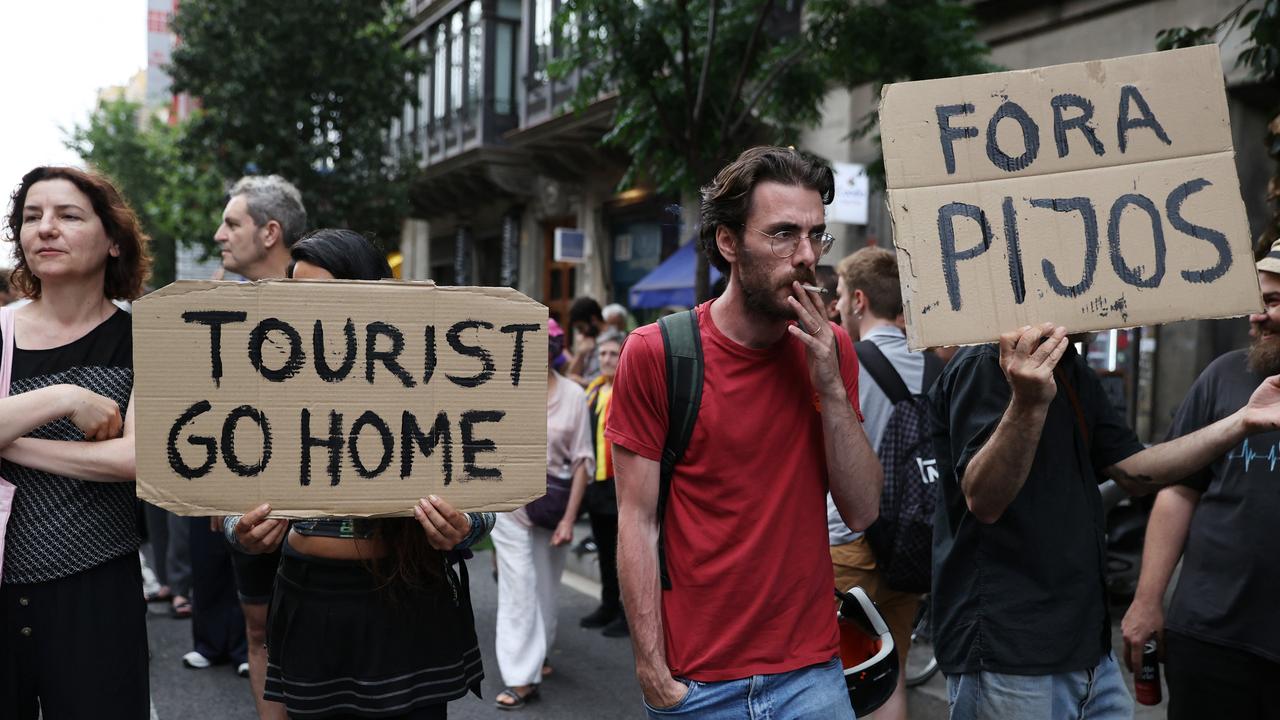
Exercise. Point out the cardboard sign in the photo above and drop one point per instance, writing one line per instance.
(1095, 195)
(339, 397)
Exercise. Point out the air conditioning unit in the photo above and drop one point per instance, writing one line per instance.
(571, 245)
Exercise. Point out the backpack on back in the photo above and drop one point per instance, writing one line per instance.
(902, 537)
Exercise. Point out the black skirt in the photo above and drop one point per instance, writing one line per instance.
(337, 645)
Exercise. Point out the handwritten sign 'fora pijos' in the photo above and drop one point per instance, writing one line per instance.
(1095, 195)
(339, 398)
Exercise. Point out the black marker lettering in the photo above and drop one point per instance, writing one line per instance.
(947, 234)
(215, 319)
(1128, 94)
(333, 443)
(210, 445)
(472, 446)
(517, 355)
(1126, 273)
(1089, 218)
(1080, 122)
(454, 336)
(229, 441)
(322, 363)
(1016, 279)
(412, 437)
(388, 357)
(1173, 207)
(1030, 138)
(430, 354)
(388, 443)
(947, 135)
(296, 355)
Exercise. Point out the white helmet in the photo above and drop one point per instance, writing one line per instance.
(866, 649)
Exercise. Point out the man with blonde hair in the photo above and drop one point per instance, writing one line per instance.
(869, 301)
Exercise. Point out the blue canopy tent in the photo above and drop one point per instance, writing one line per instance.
(671, 283)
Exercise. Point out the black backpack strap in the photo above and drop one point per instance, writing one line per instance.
(870, 357)
(683, 347)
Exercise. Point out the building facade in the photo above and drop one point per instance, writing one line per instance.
(503, 162)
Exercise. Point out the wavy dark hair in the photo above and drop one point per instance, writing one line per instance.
(348, 255)
(125, 274)
(726, 200)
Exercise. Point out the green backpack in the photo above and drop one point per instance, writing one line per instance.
(683, 346)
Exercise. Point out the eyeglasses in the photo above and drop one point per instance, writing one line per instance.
(784, 242)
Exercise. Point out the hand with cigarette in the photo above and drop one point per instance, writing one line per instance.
(814, 330)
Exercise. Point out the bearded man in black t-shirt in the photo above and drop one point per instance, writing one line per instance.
(1221, 639)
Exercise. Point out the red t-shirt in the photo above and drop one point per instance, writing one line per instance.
(746, 520)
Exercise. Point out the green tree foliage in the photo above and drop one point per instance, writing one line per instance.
(305, 89)
(1260, 19)
(178, 200)
(697, 81)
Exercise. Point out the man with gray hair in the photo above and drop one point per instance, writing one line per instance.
(263, 218)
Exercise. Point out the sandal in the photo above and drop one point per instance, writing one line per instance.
(181, 609)
(529, 696)
(161, 595)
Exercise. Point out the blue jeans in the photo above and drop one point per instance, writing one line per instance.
(817, 691)
(1095, 694)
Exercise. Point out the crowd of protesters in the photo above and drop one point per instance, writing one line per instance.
(717, 552)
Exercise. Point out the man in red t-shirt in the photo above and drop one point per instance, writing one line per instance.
(748, 621)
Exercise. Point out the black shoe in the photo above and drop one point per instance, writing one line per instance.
(600, 618)
(618, 628)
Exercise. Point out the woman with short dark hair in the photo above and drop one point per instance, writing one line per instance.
(72, 616)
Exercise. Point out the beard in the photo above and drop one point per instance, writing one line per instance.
(1264, 355)
(760, 292)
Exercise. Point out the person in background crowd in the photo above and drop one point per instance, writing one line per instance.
(602, 500)
(170, 538)
(740, 624)
(587, 322)
(1023, 433)
(73, 634)
(828, 281)
(1221, 641)
(531, 556)
(368, 617)
(869, 298)
(7, 293)
(263, 218)
(617, 317)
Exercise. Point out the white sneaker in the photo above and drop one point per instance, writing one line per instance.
(195, 661)
(243, 670)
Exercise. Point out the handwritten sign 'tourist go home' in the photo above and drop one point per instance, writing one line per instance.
(1094, 195)
(339, 397)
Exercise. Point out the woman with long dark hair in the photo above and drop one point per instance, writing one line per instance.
(72, 616)
(368, 617)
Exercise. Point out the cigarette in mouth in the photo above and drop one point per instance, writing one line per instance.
(814, 288)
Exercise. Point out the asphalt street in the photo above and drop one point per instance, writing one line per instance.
(593, 675)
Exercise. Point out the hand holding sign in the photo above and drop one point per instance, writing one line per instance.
(445, 527)
(257, 533)
(1028, 358)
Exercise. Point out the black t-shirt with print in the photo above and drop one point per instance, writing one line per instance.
(1231, 562)
(60, 526)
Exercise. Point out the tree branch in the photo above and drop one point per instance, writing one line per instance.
(685, 69)
(769, 79)
(645, 79)
(706, 64)
(746, 63)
